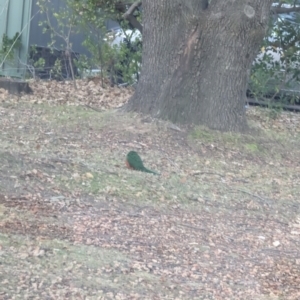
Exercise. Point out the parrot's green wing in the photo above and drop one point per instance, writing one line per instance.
(135, 161)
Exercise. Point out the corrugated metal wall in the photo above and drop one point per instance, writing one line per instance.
(14, 17)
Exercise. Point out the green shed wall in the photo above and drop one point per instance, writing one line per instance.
(15, 17)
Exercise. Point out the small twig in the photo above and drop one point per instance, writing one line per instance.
(93, 108)
(61, 160)
(206, 172)
(174, 127)
(253, 195)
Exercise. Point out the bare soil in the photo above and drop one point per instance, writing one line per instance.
(222, 221)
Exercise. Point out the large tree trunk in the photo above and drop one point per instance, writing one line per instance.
(196, 61)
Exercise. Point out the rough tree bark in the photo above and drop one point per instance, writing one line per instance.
(197, 59)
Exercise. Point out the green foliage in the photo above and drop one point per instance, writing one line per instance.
(251, 147)
(64, 25)
(56, 71)
(113, 61)
(9, 46)
(90, 17)
(274, 111)
(65, 20)
(277, 68)
(132, 61)
(40, 63)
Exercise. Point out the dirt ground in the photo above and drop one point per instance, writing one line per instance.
(222, 221)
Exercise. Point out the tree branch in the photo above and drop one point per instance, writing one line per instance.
(133, 7)
(285, 10)
(204, 4)
(131, 18)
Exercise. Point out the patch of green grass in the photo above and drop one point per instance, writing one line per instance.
(267, 143)
(71, 116)
(75, 115)
(135, 187)
(200, 133)
(208, 136)
(252, 148)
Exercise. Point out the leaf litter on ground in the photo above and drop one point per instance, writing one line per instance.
(221, 222)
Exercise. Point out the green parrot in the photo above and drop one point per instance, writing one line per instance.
(133, 161)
